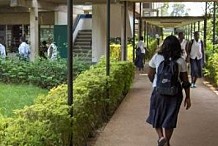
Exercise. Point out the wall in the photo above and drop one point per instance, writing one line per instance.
(99, 28)
(45, 18)
(98, 32)
(60, 18)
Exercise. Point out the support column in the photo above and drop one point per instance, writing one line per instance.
(140, 21)
(194, 26)
(60, 18)
(123, 32)
(34, 30)
(205, 25)
(144, 29)
(70, 62)
(108, 40)
(199, 26)
(98, 31)
(147, 42)
(133, 43)
(214, 23)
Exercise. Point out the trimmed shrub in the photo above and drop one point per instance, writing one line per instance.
(152, 48)
(42, 73)
(116, 51)
(211, 69)
(48, 122)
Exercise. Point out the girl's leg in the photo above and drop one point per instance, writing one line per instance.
(159, 132)
(194, 79)
(168, 134)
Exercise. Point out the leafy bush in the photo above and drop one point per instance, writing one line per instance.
(152, 48)
(211, 69)
(42, 73)
(48, 122)
(116, 51)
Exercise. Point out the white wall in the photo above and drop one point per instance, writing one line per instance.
(116, 21)
(131, 22)
(98, 32)
(60, 18)
(99, 28)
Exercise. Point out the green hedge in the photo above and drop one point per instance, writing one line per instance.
(211, 69)
(47, 122)
(152, 48)
(116, 51)
(42, 73)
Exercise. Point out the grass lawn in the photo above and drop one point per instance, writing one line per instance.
(17, 96)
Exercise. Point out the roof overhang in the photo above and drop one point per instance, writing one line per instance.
(117, 1)
(171, 0)
(90, 2)
(172, 22)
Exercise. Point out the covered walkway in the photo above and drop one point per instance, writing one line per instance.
(196, 127)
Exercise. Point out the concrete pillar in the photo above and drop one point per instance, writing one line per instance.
(99, 27)
(34, 30)
(123, 31)
(60, 18)
(98, 31)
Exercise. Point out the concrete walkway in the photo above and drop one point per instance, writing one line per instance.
(196, 127)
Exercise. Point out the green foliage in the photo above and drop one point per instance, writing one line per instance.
(116, 51)
(17, 96)
(179, 10)
(164, 9)
(211, 69)
(152, 48)
(42, 73)
(48, 123)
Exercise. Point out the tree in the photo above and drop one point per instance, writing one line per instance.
(179, 10)
(164, 9)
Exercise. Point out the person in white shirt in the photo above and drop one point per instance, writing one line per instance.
(140, 54)
(24, 50)
(184, 44)
(196, 53)
(52, 50)
(2, 51)
(164, 109)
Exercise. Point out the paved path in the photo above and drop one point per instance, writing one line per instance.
(196, 127)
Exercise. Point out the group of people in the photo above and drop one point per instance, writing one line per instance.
(173, 57)
(192, 53)
(48, 50)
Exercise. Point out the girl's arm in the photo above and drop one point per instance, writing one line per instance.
(151, 73)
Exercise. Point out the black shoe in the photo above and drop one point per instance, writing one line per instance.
(162, 141)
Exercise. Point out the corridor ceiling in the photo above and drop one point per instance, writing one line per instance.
(159, 21)
(169, 22)
(7, 2)
(117, 1)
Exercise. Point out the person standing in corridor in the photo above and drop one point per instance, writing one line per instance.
(140, 54)
(184, 44)
(196, 54)
(164, 109)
